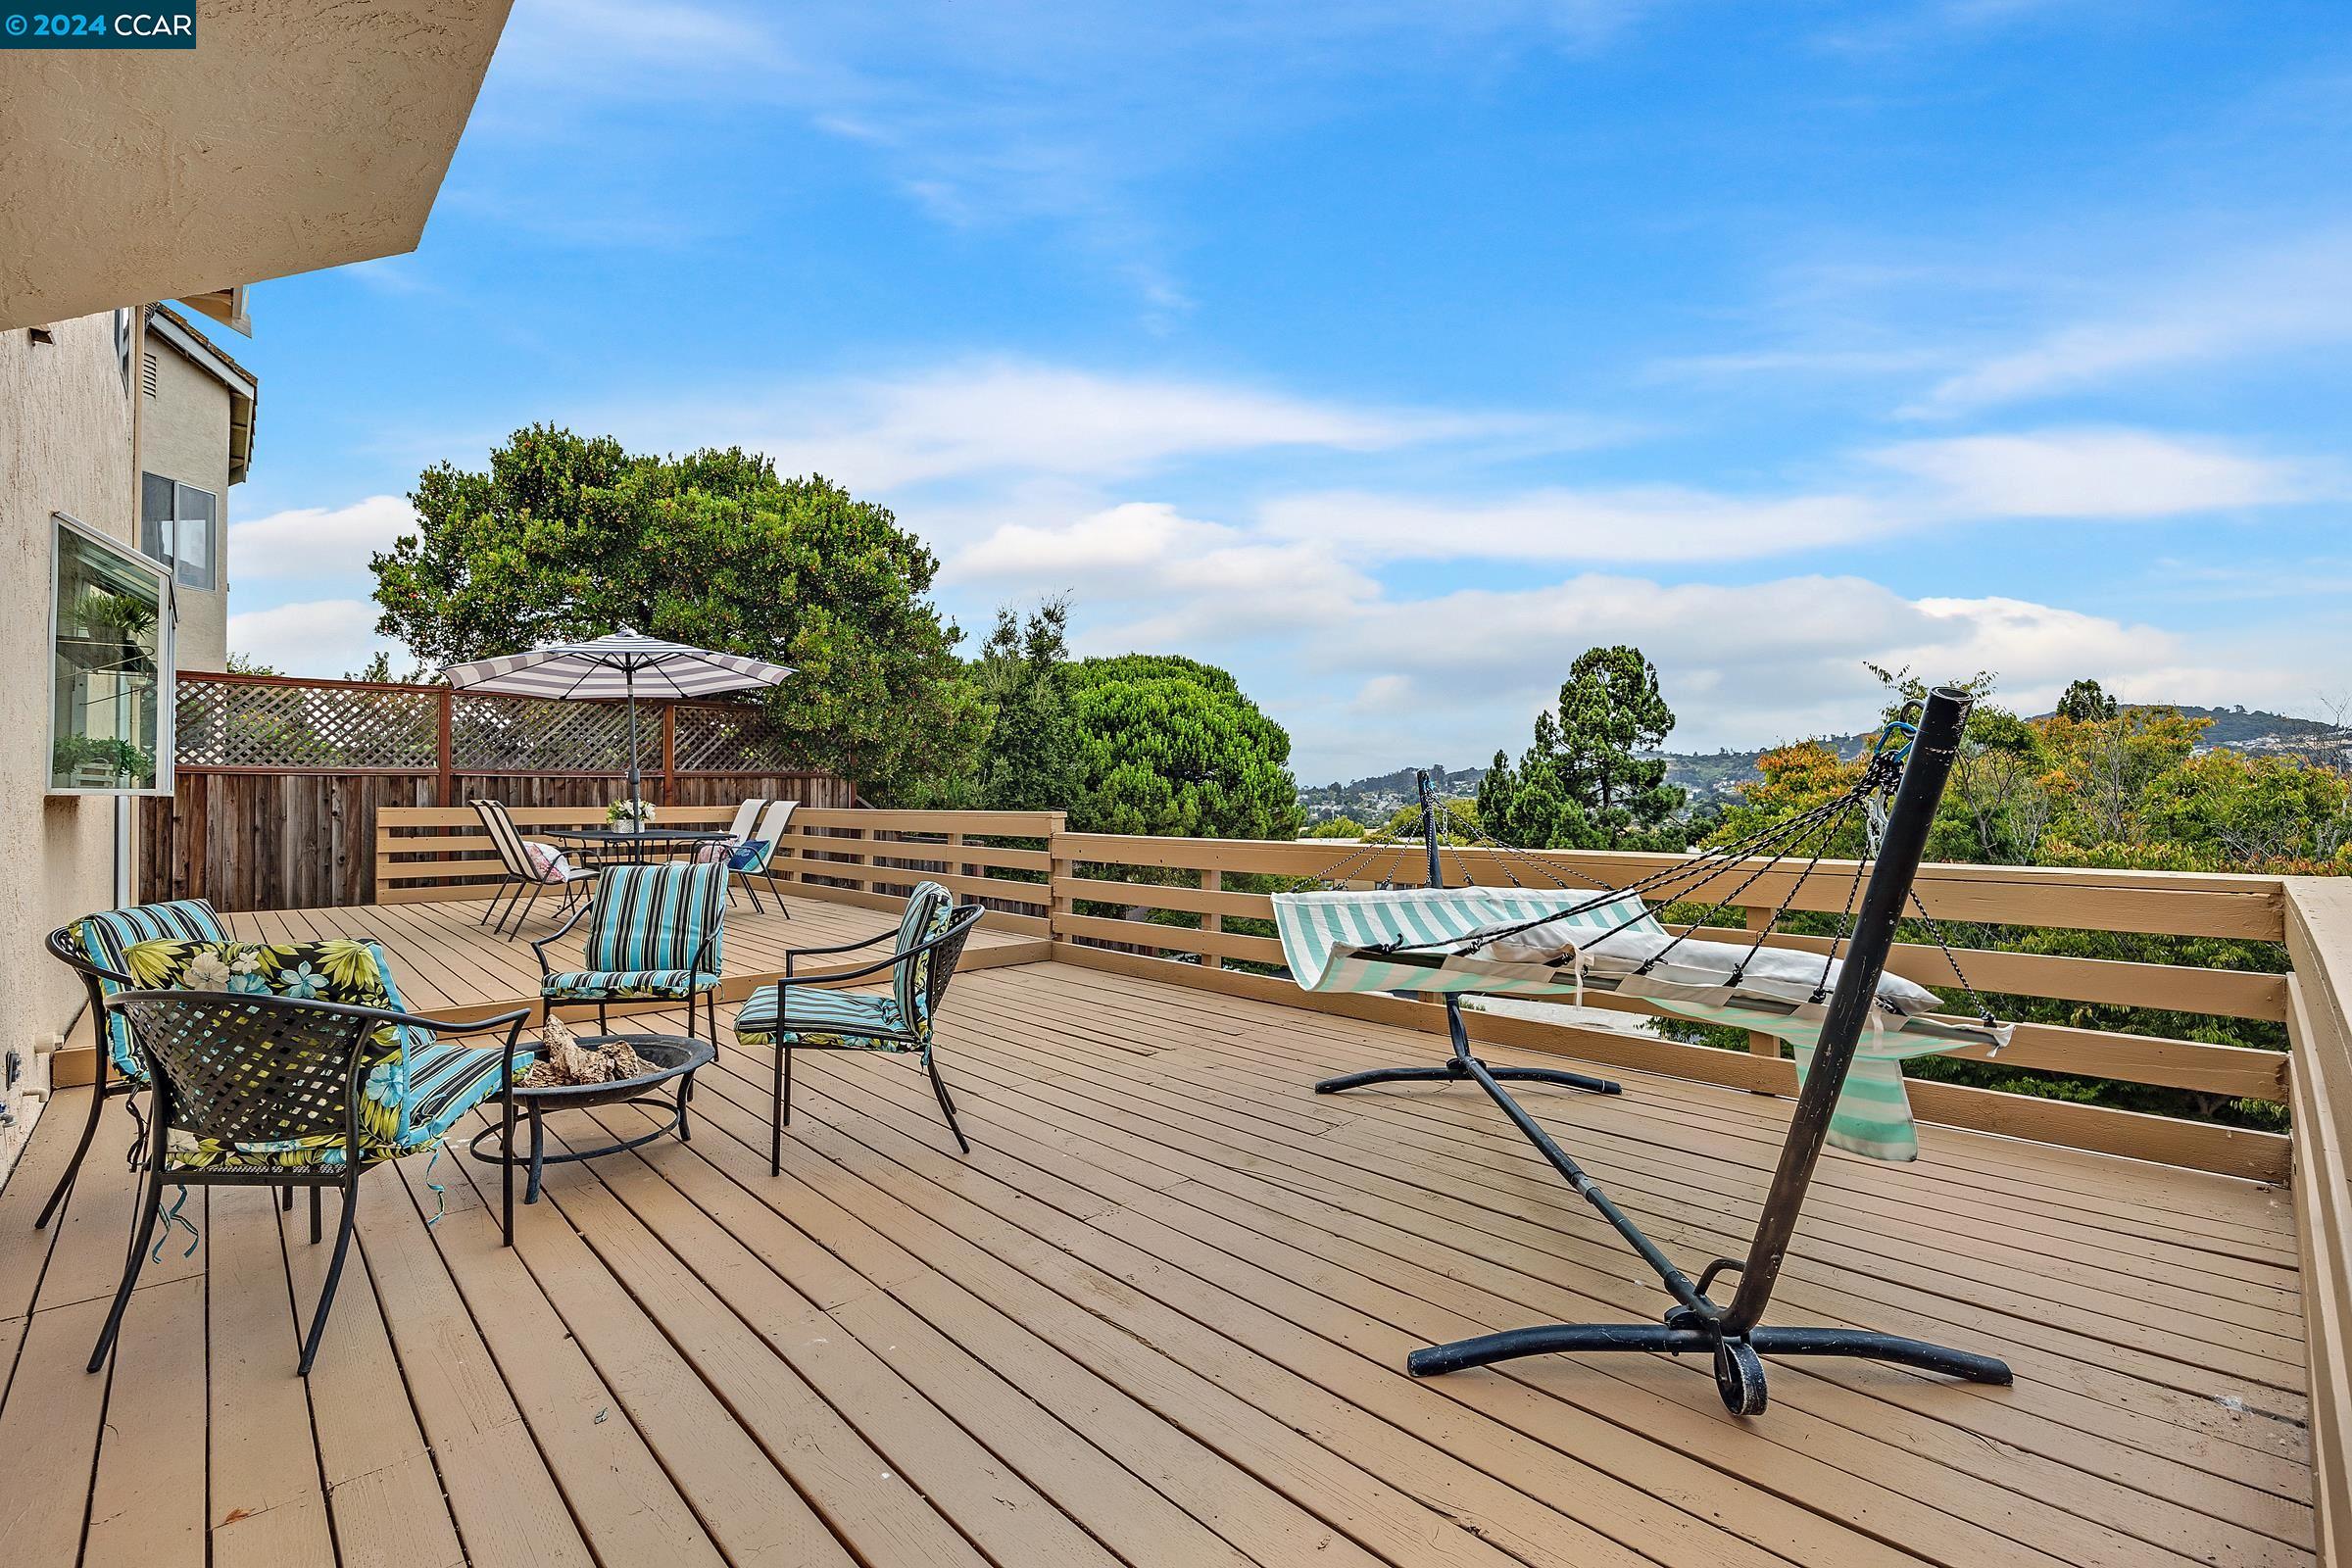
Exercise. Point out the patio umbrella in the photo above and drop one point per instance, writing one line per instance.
(605, 668)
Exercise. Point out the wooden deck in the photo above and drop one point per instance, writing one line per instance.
(1157, 1317)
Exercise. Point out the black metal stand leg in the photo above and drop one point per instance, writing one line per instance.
(1531, 1075)
(334, 1275)
(1889, 1348)
(685, 1092)
(89, 1130)
(1738, 1371)
(142, 1234)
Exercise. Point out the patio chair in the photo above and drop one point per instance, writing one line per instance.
(528, 865)
(263, 1078)
(93, 947)
(756, 857)
(653, 934)
(805, 1015)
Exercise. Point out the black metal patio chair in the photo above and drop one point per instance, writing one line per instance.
(272, 1091)
(798, 1015)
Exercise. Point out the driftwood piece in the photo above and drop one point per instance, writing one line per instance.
(564, 1061)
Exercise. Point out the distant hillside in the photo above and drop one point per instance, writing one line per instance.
(1721, 773)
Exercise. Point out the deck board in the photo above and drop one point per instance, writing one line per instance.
(1157, 1317)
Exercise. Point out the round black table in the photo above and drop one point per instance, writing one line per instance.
(673, 1059)
(608, 846)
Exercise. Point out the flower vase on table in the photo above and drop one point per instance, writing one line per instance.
(628, 816)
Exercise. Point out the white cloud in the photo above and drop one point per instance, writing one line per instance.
(1658, 522)
(1365, 676)
(1004, 418)
(1154, 578)
(306, 542)
(2294, 298)
(2089, 473)
(315, 637)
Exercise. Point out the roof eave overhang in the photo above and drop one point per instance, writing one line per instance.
(282, 143)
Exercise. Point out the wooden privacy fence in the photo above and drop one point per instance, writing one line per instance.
(280, 782)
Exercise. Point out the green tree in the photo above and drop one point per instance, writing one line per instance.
(1030, 761)
(2086, 701)
(1168, 745)
(572, 537)
(1581, 784)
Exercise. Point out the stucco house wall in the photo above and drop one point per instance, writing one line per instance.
(183, 436)
(67, 440)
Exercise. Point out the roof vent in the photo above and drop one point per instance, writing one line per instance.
(147, 373)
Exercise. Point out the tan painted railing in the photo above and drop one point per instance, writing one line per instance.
(2319, 940)
(1037, 877)
(1127, 872)
(998, 857)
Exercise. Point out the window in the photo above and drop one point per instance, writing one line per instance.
(177, 527)
(110, 658)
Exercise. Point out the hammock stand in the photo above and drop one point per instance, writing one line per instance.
(1734, 1335)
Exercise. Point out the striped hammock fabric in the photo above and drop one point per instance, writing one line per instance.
(1331, 941)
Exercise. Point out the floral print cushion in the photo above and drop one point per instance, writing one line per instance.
(413, 1088)
(336, 969)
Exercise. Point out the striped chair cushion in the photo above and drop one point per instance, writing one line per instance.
(623, 985)
(928, 911)
(443, 1083)
(666, 916)
(817, 1016)
(105, 936)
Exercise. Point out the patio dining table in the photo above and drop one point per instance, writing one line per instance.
(614, 846)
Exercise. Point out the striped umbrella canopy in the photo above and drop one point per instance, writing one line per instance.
(616, 666)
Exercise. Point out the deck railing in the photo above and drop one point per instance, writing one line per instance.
(1093, 895)
(2319, 940)
(859, 855)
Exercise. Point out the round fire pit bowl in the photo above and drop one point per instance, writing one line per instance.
(673, 1059)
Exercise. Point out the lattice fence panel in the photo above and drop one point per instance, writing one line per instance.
(539, 735)
(236, 724)
(734, 739)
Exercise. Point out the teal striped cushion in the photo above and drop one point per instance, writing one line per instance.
(927, 912)
(800, 1011)
(664, 916)
(621, 985)
(104, 936)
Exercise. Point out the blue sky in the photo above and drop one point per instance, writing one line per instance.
(1391, 354)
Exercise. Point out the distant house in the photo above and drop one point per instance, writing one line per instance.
(195, 440)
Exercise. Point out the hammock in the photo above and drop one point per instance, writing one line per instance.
(1539, 942)
(1521, 942)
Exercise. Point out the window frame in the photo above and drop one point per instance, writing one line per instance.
(167, 658)
(172, 559)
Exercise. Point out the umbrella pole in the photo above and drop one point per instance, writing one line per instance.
(628, 676)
